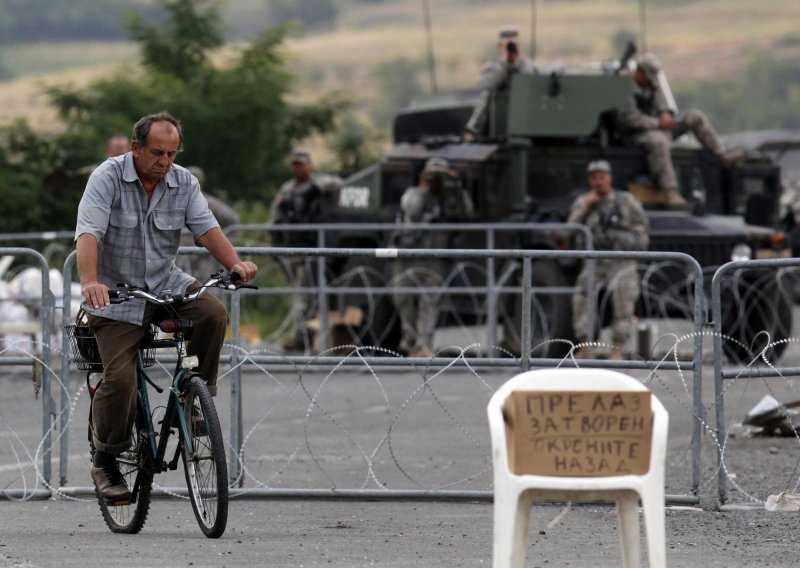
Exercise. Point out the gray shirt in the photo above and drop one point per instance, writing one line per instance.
(137, 240)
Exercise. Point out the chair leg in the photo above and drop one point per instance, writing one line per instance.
(511, 519)
(628, 514)
(653, 511)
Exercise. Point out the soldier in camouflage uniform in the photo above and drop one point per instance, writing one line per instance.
(617, 222)
(644, 121)
(438, 198)
(300, 200)
(496, 75)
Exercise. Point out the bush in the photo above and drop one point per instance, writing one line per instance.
(765, 95)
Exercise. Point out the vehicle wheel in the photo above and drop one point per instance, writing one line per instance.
(204, 460)
(380, 323)
(134, 465)
(551, 314)
(751, 306)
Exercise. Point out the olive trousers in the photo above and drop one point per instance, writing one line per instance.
(114, 402)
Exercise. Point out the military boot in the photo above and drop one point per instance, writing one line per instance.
(673, 199)
(733, 156)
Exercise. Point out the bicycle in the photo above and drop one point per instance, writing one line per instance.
(190, 409)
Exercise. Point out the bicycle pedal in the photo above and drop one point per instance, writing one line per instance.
(118, 502)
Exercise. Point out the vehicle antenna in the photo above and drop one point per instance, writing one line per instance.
(429, 35)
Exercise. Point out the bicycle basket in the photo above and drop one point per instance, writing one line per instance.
(86, 354)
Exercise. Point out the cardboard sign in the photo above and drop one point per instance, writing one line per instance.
(579, 433)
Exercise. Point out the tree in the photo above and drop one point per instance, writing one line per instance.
(181, 47)
(238, 123)
(25, 157)
(351, 143)
(764, 95)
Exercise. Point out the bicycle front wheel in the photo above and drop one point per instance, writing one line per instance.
(205, 466)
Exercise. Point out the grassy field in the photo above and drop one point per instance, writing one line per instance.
(694, 38)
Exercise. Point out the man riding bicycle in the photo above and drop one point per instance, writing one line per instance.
(129, 225)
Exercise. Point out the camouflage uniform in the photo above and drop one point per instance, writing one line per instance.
(495, 75)
(300, 203)
(639, 125)
(617, 222)
(420, 312)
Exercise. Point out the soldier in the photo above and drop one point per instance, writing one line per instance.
(645, 122)
(496, 75)
(617, 222)
(438, 198)
(300, 200)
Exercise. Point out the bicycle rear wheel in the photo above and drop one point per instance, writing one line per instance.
(129, 517)
(206, 468)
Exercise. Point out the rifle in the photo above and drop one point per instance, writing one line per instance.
(627, 54)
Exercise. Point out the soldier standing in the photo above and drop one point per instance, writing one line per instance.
(648, 123)
(301, 200)
(617, 222)
(437, 198)
(497, 74)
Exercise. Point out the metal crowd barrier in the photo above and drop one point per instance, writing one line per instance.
(46, 318)
(490, 230)
(523, 362)
(749, 372)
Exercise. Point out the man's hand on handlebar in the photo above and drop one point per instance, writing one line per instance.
(246, 270)
(95, 294)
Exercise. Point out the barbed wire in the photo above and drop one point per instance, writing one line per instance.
(332, 445)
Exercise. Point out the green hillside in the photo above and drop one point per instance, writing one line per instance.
(377, 49)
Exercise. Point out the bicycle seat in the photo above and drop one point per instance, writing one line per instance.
(168, 326)
(173, 325)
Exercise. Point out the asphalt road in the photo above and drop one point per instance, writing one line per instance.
(394, 534)
(393, 429)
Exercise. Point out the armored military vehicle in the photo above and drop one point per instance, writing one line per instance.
(529, 167)
(782, 147)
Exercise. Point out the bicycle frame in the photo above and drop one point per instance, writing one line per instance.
(157, 451)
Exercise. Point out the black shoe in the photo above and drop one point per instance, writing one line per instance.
(108, 478)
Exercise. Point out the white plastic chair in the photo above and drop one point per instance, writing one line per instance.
(515, 494)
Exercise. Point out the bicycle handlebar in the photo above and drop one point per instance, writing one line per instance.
(124, 292)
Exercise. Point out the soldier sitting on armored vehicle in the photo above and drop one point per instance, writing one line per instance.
(497, 74)
(644, 121)
(438, 198)
(617, 222)
(300, 200)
